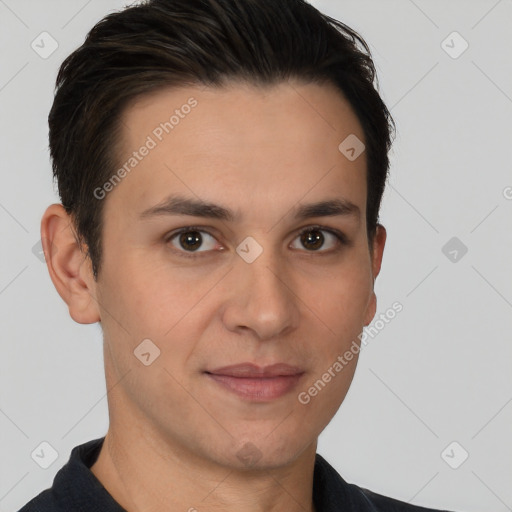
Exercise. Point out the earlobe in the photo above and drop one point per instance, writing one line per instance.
(371, 309)
(70, 270)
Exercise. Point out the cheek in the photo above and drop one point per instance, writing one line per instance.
(320, 398)
(152, 301)
(148, 295)
(340, 298)
(144, 314)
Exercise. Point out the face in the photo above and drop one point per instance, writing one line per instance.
(217, 252)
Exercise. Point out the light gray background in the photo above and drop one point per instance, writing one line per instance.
(439, 372)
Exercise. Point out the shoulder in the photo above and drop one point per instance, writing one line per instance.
(374, 502)
(330, 491)
(43, 502)
(74, 485)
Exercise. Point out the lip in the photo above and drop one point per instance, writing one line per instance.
(253, 370)
(255, 383)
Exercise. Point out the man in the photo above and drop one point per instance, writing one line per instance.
(221, 165)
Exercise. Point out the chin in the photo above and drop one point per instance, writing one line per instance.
(263, 453)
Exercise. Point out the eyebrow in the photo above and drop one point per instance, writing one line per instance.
(177, 205)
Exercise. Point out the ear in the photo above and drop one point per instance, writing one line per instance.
(377, 251)
(69, 267)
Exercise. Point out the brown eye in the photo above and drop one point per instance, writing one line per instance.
(315, 238)
(192, 241)
(312, 239)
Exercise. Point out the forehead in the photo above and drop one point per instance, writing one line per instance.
(269, 142)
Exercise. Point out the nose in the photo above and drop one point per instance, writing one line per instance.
(261, 298)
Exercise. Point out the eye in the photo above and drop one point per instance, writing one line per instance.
(314, 238)
(191, 240)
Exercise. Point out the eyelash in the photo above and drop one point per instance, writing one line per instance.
(341, 237)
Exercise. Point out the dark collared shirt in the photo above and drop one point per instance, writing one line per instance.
(76, 489)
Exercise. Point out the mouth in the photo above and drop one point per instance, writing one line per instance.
(255, 383)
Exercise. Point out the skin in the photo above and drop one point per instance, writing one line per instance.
(174, 434)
